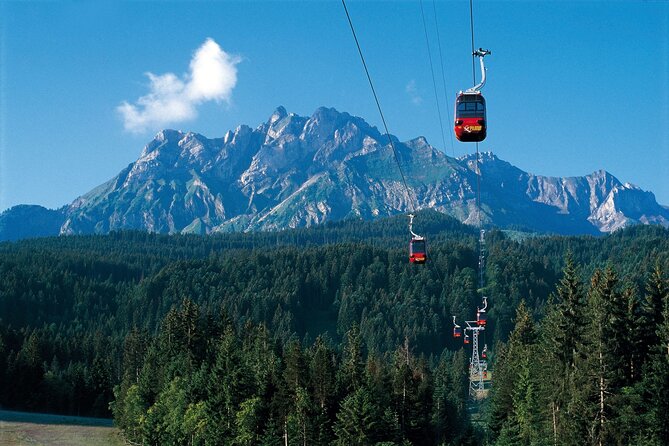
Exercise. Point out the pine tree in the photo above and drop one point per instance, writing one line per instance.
(562, 335)
(526, 406)
(322, 373)
(651, 310)
(605, 353)
(350, 373)
(229, 383)
(247, 422)
(134, 350)
(570, 307)
(509, 357)
(360, 422)
(656, 373)
(403, 388)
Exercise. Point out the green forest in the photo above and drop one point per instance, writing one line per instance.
(328, 335)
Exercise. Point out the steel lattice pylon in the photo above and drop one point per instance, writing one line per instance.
(478, 365)
(482, 258)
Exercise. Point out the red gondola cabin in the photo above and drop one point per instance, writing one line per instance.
(457, 332)
(481, 318)
(470, 117)
(417, 250)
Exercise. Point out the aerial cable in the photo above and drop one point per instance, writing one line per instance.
(443, 76)
(434, 82)
(378, 105)
(478, 363)
(478, 169)
(471, 27)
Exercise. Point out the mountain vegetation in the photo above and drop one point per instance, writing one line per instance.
(328, 335)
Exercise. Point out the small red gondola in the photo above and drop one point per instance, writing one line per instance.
(417, 250)
(481, 318)
(466, 339)
(457, 332)
(470, 117)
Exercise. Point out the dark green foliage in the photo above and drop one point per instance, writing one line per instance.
(206, 329)
(294, 397)
(514, 393)
(605, 385)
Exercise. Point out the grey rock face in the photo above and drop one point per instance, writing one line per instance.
(294, 171)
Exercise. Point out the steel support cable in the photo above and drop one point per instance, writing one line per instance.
(471, 27)
(434, 81)
(378, 105)
(478, 196)
(443, 75)
(478, 169)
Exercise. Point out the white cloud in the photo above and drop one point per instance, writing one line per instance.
(412, 91)
(212, 77)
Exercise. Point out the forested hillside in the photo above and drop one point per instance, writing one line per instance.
(594, 371)
(330, 322)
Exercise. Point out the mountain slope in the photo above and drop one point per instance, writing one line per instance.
(25, 221)
(294, 171)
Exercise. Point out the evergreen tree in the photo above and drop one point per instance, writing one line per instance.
(228, 385)
(562, 336)
(507, 369)
(651, 311)
(605, 354)
(654, 387)
(361, 422)
(322, 373)
(526, 415)
(570, 321)
(134, 351)
(350, 373)
(247, 422)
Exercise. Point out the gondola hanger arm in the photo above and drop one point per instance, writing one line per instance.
(480, 53)
(411, 216)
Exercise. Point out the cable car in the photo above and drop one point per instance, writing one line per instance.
(417, 250)
(484, 353)
(466, 339)
(457, 330)
(470, 113)
(470, 117)
(481, 317)
(417, 247)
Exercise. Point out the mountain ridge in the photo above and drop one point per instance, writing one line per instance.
(294, 171)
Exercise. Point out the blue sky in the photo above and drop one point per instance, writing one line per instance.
(573, 87)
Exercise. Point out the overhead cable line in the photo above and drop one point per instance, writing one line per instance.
(471, 27)
(482, 260)
(478, 168)
(434, 82)
(443, 75)
(378, 105)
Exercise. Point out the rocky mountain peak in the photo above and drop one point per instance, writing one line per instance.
(162, 138)
(278, 114)
(296, 171)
